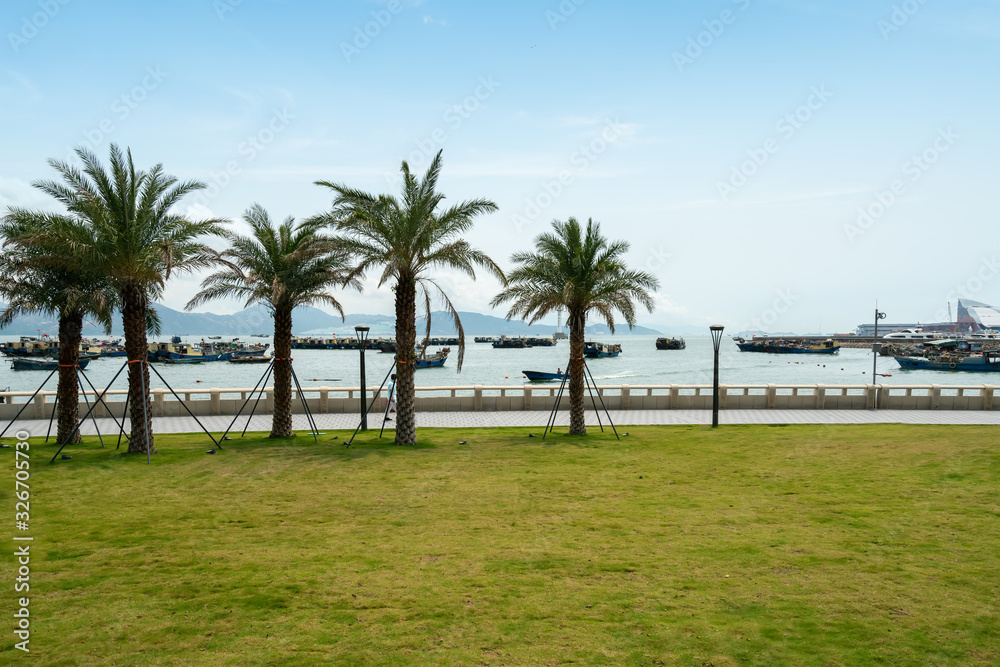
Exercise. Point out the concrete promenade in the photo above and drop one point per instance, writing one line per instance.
(538, 418)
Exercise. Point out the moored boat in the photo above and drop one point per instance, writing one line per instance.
(26, 364)
(985, 362)
(670, 344)
(542, 376)
(249, 359)
(435, 360)
(534, 341)
(505, 343)
(594, 350)
(30, 346)
(782, 346)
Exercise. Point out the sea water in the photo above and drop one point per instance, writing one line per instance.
(639, 364)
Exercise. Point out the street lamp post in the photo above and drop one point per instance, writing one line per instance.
(716, 330)
(362, 332)
(876, 347)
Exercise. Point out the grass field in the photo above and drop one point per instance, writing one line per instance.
(755, 545)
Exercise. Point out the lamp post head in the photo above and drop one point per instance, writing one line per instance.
(362, 331)
(716, 330)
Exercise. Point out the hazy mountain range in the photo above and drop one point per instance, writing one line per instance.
(307, 320)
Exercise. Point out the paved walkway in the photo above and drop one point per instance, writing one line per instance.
(332, 422)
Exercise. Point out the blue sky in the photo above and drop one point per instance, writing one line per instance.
(776, 164)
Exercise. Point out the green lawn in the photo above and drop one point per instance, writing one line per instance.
(753, 545)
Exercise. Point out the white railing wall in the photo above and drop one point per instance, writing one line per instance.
(529, 397)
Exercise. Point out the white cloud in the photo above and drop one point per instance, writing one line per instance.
(15, 192)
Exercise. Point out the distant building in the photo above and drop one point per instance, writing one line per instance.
(972, 316)
(975, 315)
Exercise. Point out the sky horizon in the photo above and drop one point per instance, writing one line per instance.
(779, 165)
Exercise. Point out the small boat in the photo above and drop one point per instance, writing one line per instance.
(249, 359)
(670, 344)
(600, 350)
(435, 360)
(25, 364)
(180, 360)
(542, 376)
(215, 337)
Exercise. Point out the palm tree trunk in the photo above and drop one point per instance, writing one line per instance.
(406, 335)
(137, 351)
(281, 420)
(70, 331)
(577, 328)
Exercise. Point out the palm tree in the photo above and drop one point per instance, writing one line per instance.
(281, 268)
(580, 273)
(31, 282)
(137, 241)
(410, 238)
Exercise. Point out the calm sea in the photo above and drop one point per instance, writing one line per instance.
(639, 364)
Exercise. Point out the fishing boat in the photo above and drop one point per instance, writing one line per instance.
(249, 359)
(542, 376)
(505, 343)
(435, 360)
(180, 360)
(201, 352)
(215, 337)
(30, 346)
(781, 346)
(26, 364)
(483, 339)
(984, 362)
(670, 344)
(255, 350)
(533, 341)
(594, 350)
(324, 343)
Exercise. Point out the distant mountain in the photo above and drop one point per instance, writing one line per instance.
(477, 324)
(315, 321)
(249, 321)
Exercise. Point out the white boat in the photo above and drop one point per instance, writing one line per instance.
(912, 334)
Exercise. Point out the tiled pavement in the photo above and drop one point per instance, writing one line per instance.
(330, 422)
